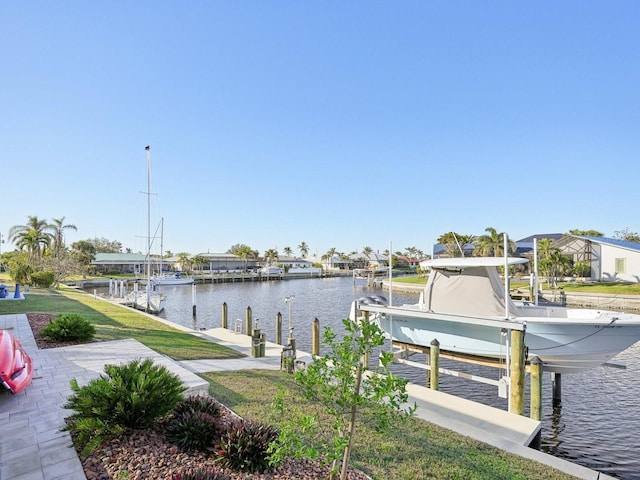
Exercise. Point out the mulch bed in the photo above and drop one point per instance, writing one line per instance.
(39, 320)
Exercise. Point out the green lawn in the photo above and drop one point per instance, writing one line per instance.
(114, 322)
(617, 288)
(412, 451)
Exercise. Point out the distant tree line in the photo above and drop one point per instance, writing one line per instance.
(41, 252)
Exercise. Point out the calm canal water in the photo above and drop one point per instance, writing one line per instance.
(596, 425)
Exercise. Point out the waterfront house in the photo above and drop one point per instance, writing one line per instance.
(226, 263)
(370, 260)
(293, 262)
(125, 263)
(611, 260)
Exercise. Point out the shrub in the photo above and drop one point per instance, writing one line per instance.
(193, 431)
(69, 327)
(43, 279)
(129, 396)
(20, 272)
(193, 474)
(244, 446)
(198, 403)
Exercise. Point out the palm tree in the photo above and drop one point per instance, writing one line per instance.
(244, 252)
(287, 251)
(367, 251)
(492, 244)
(550, 260)
(271, 256)
(58, 228)
(329, 255)
(453, 243)
(199, 261)
(184, 259)
(32, 237)
(304, 249)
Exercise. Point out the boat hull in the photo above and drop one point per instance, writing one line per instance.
(564, 345)
(138, 301)
(168, 281)
(16, 367)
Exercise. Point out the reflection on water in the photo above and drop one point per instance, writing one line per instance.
(595, 425)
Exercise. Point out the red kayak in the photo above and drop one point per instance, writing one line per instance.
(16, 367)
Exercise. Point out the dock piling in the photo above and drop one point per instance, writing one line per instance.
(224, 315)
(248, 321)
(516, 390)
(193, 299)
(279, 328)
(536, 389)
(556, 388)
(315, 337)
(434, 360)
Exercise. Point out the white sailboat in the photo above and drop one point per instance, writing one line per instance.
(150, 300)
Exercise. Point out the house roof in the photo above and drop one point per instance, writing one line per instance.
(540, 236)
(119, 258)
(613, 242)
(372, 257)
(208, 255)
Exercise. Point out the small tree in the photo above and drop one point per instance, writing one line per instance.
(338, 381)
(83, 252)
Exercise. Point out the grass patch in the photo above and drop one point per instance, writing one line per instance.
(615, 288)
(417, 450)
(115, 322)
(411, 279)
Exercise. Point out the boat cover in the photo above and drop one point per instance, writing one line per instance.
(471, 291)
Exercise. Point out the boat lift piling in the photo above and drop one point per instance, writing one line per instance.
(247, 320)
(515, 335)
(535, 409)
(225, 315)
(516, 379)
(315, 337)
(193, 298)
(279, 328)
(434, 361)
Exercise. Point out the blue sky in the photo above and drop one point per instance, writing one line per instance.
(340, 124)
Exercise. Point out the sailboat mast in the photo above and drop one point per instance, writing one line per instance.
(148, 150)
(161, 245)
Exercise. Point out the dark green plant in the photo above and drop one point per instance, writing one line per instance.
(43, 279)
(245, 444)
(195, 474)
(193, 431)
(69, 327)
(129, 396)
(198, 403)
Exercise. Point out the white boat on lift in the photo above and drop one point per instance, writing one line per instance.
(145, 300)
(465, 308)
(171, 278)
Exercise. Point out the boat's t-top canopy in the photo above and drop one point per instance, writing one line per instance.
(465, 262)
(467, 286)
